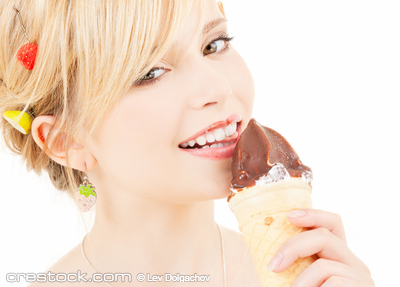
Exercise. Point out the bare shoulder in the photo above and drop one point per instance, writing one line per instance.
(71, 262)
(239, 263)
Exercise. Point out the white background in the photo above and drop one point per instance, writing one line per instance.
(327, 78)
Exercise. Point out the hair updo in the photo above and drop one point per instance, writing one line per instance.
(90, 53)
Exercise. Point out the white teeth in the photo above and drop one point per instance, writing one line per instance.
(210, 138)
(201, 140)
(234, 126)
(219, 134)
(216, 145)
(214, 135)
(230, 129)
(228, 143)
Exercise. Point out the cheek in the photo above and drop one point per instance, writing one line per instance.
(147, 122)
(139, 134)
(241, 80)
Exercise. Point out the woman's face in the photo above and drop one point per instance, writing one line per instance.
(138, 150)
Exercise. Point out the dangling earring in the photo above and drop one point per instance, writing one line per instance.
(86, 195)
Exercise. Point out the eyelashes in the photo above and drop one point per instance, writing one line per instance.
(224, 38)
(150, 78)
(143, 82)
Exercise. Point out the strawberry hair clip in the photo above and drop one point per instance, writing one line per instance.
(26, 56)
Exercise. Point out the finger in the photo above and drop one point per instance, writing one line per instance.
(315, 218)
(335, 281)
(318, 241)
(322, 269)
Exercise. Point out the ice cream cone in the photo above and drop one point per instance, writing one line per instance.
(261, 214)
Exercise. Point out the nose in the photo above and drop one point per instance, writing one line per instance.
(208, 84)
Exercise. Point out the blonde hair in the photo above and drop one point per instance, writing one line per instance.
(90, 54)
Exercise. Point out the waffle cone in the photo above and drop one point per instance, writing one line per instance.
(261, 214)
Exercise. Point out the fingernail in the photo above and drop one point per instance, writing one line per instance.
(296, 213)
(275, 261)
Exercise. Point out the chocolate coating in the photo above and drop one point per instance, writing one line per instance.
(256, 152)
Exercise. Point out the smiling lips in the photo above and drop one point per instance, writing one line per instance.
(222, 138)
(217, 135)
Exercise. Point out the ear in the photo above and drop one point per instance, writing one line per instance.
(80, 157)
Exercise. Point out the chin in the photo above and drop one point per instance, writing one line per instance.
(218, 193)
(209, 195)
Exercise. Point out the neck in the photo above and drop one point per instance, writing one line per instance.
(157, 236)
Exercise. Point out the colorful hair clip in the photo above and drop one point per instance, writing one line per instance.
(23, 124)
(26, 55)
(20, 121)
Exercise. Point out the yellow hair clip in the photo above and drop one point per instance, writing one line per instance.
(22, 121)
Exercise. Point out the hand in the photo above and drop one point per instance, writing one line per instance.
(337, 265)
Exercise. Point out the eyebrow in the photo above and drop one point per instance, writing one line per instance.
(212, 24)
(207, 28)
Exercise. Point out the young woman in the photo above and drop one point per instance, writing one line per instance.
(117, 88)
